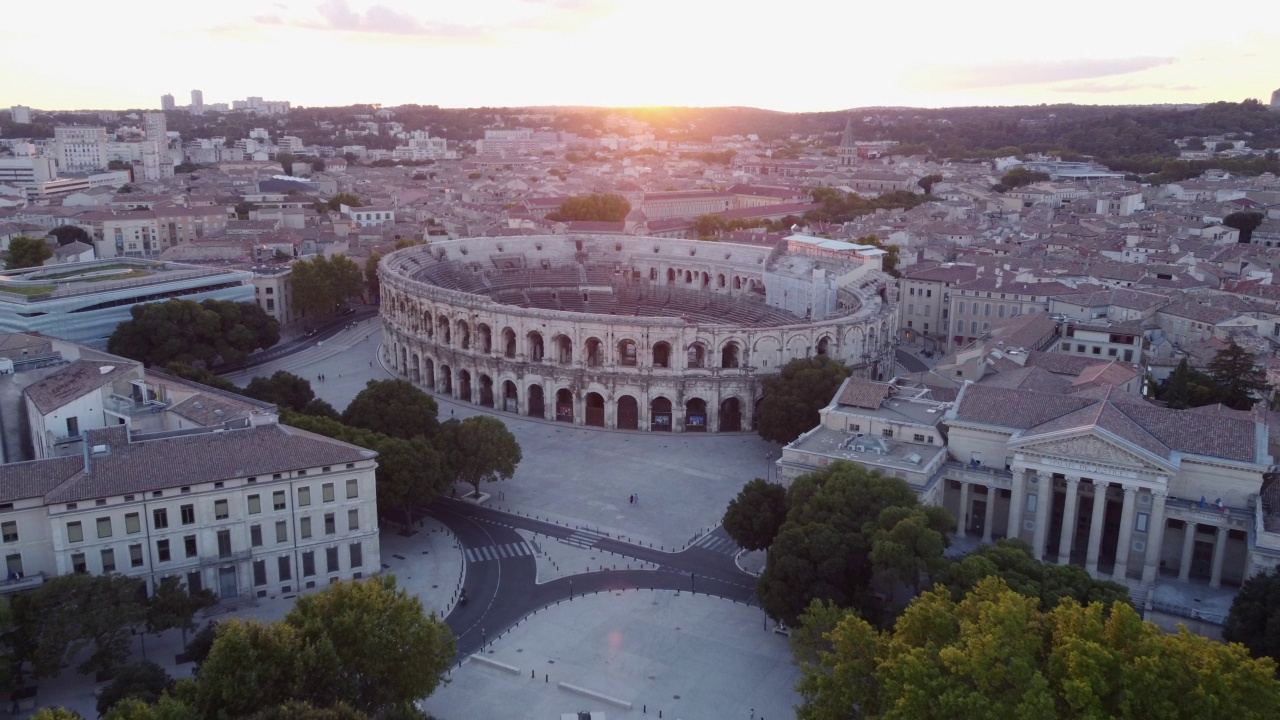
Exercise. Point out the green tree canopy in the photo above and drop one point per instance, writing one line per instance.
(173, 606)
(25, 252)
(321, 284)
(68, 234)
(1011, 561)
(1254, 618)
(1246, 222)
(1239, 379)
(189, 332)
(599, 207)
(1021, 176)
(254, 665)
(337, 201)
(145, 681)
(317, 165)
(283, 388)
(755, 515)
(73, 612)
(394, 408)
(1187, 387)
(997, 654)
(371, 280)
(478, 449)
(793, 398)
(286, 161)
(927, 182)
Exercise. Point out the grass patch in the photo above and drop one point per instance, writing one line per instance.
(28, 289)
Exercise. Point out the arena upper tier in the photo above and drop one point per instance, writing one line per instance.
(625, 332)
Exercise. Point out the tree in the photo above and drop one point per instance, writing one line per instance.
(343, 198)
(1011, 560)
(996, 653)
(56, 713)
(478, 449)
(793, 397)
(596, 207)
(371, 280)
(201, 644)
(174, 606)
(394, 408)
(928, 181)
(389, 651)
(411, 474)
(67, 234)
(317, 165)
(145, 681)
(1021, 176)
(25, 252)
(77, 611)
(1194, 144)
(320, 285)
(254, 665)
(1254, 618)
(1187, 387)
(166, 707)
(286, 162)
(283, 388)
(1236, 373)
(755, 515)
(243, 208)
(200, 375)
(189, 332)
(1245, 222)
(307, 711)
(320, 408)
(907, 543)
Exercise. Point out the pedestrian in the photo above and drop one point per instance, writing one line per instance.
(631, 500)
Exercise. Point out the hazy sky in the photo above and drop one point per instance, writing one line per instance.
(789, 55)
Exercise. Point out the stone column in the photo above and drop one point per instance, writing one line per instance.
(964, 508)
(1188, 546)
(1044, 503)
(1095, 526)
(1017, 499)
(1219, 552)
(1126, 534)
(988, 518)
(1068, 521)
(1155, 539)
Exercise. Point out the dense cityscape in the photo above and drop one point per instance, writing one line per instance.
(578, 412)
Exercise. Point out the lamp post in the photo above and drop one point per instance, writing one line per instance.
(768, 466)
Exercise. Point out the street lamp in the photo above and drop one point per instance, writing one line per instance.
(768, 466)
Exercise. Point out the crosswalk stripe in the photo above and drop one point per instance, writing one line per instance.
(497, 552)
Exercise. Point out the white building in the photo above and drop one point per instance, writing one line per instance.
(166, 102)
(26, 170)
(197, 102)
(370, 216)
(20, 114)
(157, 129)
(81, 148)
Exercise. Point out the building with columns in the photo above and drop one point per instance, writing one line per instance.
(1096, 477)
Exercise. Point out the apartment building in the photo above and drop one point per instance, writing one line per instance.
(924, 303)
(977, 304)
(80, 148)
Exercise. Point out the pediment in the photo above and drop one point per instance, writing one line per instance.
(1093, 449)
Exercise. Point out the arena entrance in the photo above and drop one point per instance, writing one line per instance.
(564, 406)
(464, 386)
(730, 415)
(486, 391)
(595, 410)
(537, 404)
(510, 397)
(695, 415)
(446, 380)
(429, 374)
(628, 413)
(660, 412)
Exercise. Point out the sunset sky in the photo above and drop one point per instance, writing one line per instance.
(795, 55)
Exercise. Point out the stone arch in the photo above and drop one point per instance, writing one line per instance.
(628, 413)
(797, 347)
(737, 282)
(537, 401)
(696, 355)
(564, 405)
(594, 354)
(446, 380)
(442, 329)
(660, 414)
(730, 415)
(415, 374)
(510, 397)
(627, 354)
(464, 335)
(594, 409)
(720, 282)
(464, 385)
(695, 415)
(688, 277)
(536, 349)
(564, 349)
(706, 280)
(484, 338)
(508, 342)
(427, 325)
(429, 373)
(653, 274)
(671, 276)
(404, 360)
(824, 345)
(731, 355)
(662, 354)
(486, 391)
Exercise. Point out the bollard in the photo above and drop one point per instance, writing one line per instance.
(548, 679)
(533, 674)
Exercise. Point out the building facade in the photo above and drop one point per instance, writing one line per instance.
(80, 148)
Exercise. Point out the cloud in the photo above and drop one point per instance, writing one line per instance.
(337, 15)
(1096, 87)
(1033, 72)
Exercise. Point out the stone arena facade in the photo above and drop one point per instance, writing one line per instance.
(628, 333)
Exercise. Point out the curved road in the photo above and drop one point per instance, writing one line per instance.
(910, 362)
(501, 592)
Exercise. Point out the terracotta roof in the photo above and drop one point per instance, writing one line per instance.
(76, 380)
(863, 393)
(35, 478)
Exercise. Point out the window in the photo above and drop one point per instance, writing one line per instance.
(1128, 356)
(259, 573)
(189, 542)
(132, 523)
(918, 437)
(73, 427)
(160, 518)
(986, 310)
(75, 533)
(911, 308)
(326, 492)
(255, 504)
(1140, 522)
(1081, 348)
(282, 531)
(308, 563)
(1000, 311)
(10, 531)
(330, 525)
(304, 528)
(353, 520)
(194, 581)
(960, 308)
(277, 500)
(188, 514)
(78, 564)
(357, 555)
(304, 496)
(331, 559)
(220, 510)
(104, 527)
(1097, 350)
(162, 550)
(1111, 352)
(13, 565)
(353, 488)
(887, 432)
(135, 555)
(285, 573)
(224, 543)
(108, 560)
(255, 536)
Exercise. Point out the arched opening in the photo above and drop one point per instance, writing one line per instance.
(404, 360)
(429, 373)
(442, 329)
(695, 415)
(729, 356)
(671, 275)
(595, 410)
(595, 352)
(564, 349)
(653, 273)
(464, 335)
(720, 280)
(510, 397)
(823, 344)
(535, 347)
(628, 413)
(730, 415)
(688, 278)
(464, 385)
(627, 353)
(737, 283)
(427, 325)
(564, 406)
(661, 355)
(706, 280)
(660, 415)
(484, 338)
(537, 405)
(414, 375)
(446, 380)
(755, 414)
(486, 391)
(508, 342)
(697, 355)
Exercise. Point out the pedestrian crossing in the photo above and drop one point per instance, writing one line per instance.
(582, 538)
(717, 544)
(498, 552)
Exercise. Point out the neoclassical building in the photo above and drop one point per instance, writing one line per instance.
(629, 333)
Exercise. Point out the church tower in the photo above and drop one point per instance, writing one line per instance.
(847, 153)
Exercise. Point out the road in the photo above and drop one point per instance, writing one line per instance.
(911, 362)
(503, 590)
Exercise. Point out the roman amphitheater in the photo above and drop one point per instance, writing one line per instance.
(630, 333)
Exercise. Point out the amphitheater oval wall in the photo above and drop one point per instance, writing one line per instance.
(540, 326)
